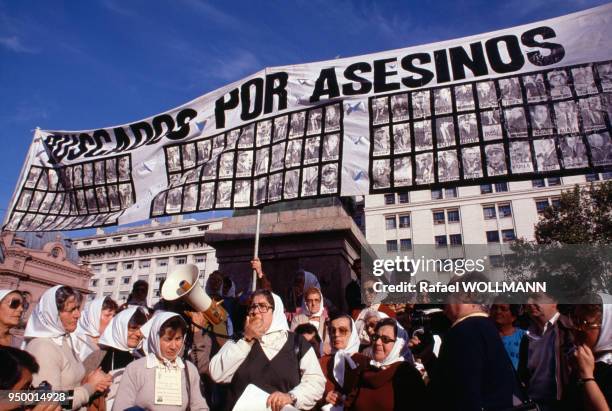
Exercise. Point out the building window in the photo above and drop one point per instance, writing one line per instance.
(107, 294)
(438, 217)
(538, 183)
(96, 268)
(94, 282)
(440, 240)
(501, 187)
(405, 244)
(200, 258)
(202, 227)
(493, 236)
(554, 181)
(157, 293)
(486, 188)
(144, 264)
(180, 260)
(109, 281)
(508, 235)
(184, 230)
(437, 194)
(450, 192)
(167, 232)
(116, 239)
(202, 274)
(607, 175)
(133, 237)
(496, 260)
(541, 205)
(143, 278)
(390, 223)
(404, 221)
(125, 280)
(111, 267)
(162, 262)
(556, 202)
(453, 216)
(403, 198)
(391, 246)
(389, 199)
(149, 235)
(489, 212)
(88, 242)
(504, 210)
(128, 265)
(455, 239)
(123, 295)
(158, 278)
(592, 177)
(102, 241)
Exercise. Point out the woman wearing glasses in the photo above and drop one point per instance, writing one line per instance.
(12, 306)
(313, 312)
(48, 340)
(270, 357)
(390, 383)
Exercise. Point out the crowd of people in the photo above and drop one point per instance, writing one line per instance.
(304, 352)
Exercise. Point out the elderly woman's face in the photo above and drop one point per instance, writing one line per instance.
(586, 328)
(313, 302)
(257, 308)
(134, 337)
(340, 332)
(170, 344)
(11, 316)
(383, 344)
(370, 324)
(69, 316)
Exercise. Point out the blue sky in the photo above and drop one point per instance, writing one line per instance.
(88, 64)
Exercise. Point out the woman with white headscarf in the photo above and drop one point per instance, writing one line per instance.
(48, 340)
(313, 312)
(161, 380)
(95, 317)
(389, 382)
(270, 357)
(12, 306)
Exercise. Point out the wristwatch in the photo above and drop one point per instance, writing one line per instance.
(293, 398)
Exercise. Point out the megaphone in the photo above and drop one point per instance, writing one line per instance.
(182, 283)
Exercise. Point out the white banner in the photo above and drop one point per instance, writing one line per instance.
(521, 103)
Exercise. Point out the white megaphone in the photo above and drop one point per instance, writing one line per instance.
(182, 283)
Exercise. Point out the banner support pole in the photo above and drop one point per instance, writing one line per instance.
(256, 251)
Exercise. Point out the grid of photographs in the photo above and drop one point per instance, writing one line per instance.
(86, 194)
(549, 123)
(294, 155)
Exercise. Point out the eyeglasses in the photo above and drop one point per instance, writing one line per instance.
(341, 331)
(18, 302)
(262, 308)
(383, 338)
(585, 325)
(370, 290)
(311, 300)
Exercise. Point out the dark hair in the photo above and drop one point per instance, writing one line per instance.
(174, 323)
(138, 319)
(587, 310)
(266, 293)
(515, 309)
(307, 328)
(63, 294)
(342, 315)
(14, 361)
(110, 304)
(140, 283)
(387, 321)
(227, 282)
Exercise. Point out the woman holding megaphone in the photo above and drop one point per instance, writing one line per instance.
(270, 357)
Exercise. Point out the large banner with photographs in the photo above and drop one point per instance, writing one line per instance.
(521, 103)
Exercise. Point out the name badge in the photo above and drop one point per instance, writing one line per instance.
(168, 386)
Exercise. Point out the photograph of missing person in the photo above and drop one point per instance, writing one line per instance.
(111, 171)
(242, 193)
(189, 156)
(381, 173)
(13, 223)
(487, 95)
(102, 199)
(566, 114)
(262, 158)
(224, 194)
(424, 168)
(245, 163)
(209, 170)
(468, 128)
(297, 124)
(496, 160)
(219, 142)
(203, 148)
(292, 184)
(331, 147)
(382, 141)
(173, 158)
(311, 150)
(422, 135)
(443, 103)
(573, 152)
(231, 138)
(510, 89)
(607, 104)
(520, 157)
(115, 204)
(401, 138)
(264, 132)
(559, 89)
(541, 123)
(275, 187)
(81, 203)
(601, 148)
(125, 195)
(516, 122)
(310, 179)
(207, 196)
(87, 177)
(246, 136)
(24, 200)
(604, 70)
(402, 172)
(260, 194)
(546, 154)
(34, 174)
(77, 175)
(99, 174)
(464, 97)
(445, 132)
(54, 179)
(535, 88)
(584, 82)
(332, 118)
(592, 113)
(399, 107)
(421, 106)
(226, 165)
(278, 156)
(38, 197)
(45, 206)
(190, 197)
(124, 168)
(315, 120)
(448, 166)
(294, 153)
(380, 111)
(329, 178)
(491, 126)
(175, 179)
(90, 196)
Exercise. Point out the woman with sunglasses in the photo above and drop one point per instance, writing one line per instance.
(270, 357)
(390, 383)
(12, 306)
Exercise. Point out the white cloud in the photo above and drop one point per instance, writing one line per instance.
(13, 43)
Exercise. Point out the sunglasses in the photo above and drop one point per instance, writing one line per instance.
(585, 325)
(383, 338)
(18, 302)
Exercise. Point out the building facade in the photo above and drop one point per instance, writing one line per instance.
(148, 252)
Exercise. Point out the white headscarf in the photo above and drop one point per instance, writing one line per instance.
(340, 356)
(116, 333)
(305, 309)
(603, 349)
(153, 345)
(310, 280)
(4, 293)
(279, 321)
(88, 326)
(396, 354)
(45, 321)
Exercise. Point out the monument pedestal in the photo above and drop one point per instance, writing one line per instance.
(323, 240)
